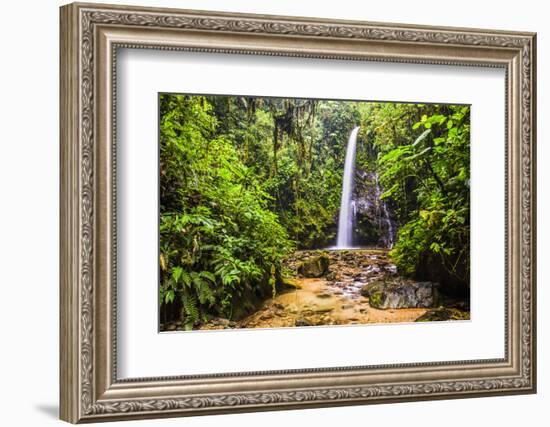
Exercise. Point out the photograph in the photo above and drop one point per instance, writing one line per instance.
(290, 212)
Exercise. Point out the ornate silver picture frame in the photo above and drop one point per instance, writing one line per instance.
(91, 34)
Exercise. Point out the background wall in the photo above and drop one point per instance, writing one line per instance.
(29, 171)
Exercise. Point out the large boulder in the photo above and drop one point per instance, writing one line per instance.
(316, 266)
(401, 295)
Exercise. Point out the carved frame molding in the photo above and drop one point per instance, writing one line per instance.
(90, 37)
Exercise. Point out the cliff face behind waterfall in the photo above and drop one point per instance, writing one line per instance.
(374, 223)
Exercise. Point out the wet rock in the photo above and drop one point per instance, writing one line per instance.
(314, 267)
(461, 305)
(425, 293)
(320, 310)
(370, 288)
(402, 295)
(373, 269)
(279, 306)
(289, 284)
(332, 276)
(391, 268)
(444, 314)
(302, 322)
(220, 321)
(348, 256)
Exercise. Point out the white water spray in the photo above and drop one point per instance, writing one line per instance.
(345, 220)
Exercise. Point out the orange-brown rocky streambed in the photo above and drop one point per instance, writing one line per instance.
(356, 286)
(317, 303)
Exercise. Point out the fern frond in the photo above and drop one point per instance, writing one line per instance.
(191, 309)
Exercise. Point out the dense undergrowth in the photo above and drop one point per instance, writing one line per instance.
(245, 181)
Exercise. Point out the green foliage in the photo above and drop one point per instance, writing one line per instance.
(219, 243)
(296, 149)
(433, 239)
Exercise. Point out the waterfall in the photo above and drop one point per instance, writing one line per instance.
(345, 220)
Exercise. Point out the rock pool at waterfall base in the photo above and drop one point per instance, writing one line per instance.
(290, 212)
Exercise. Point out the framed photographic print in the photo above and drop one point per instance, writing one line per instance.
(266, 212)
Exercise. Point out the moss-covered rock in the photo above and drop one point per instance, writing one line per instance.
(385, 295)
(303, 322)
(372, 287)
(376, 299)
(442, 314)
(314, 267)
(286, 284)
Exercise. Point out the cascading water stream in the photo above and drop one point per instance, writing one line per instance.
(345, 220)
